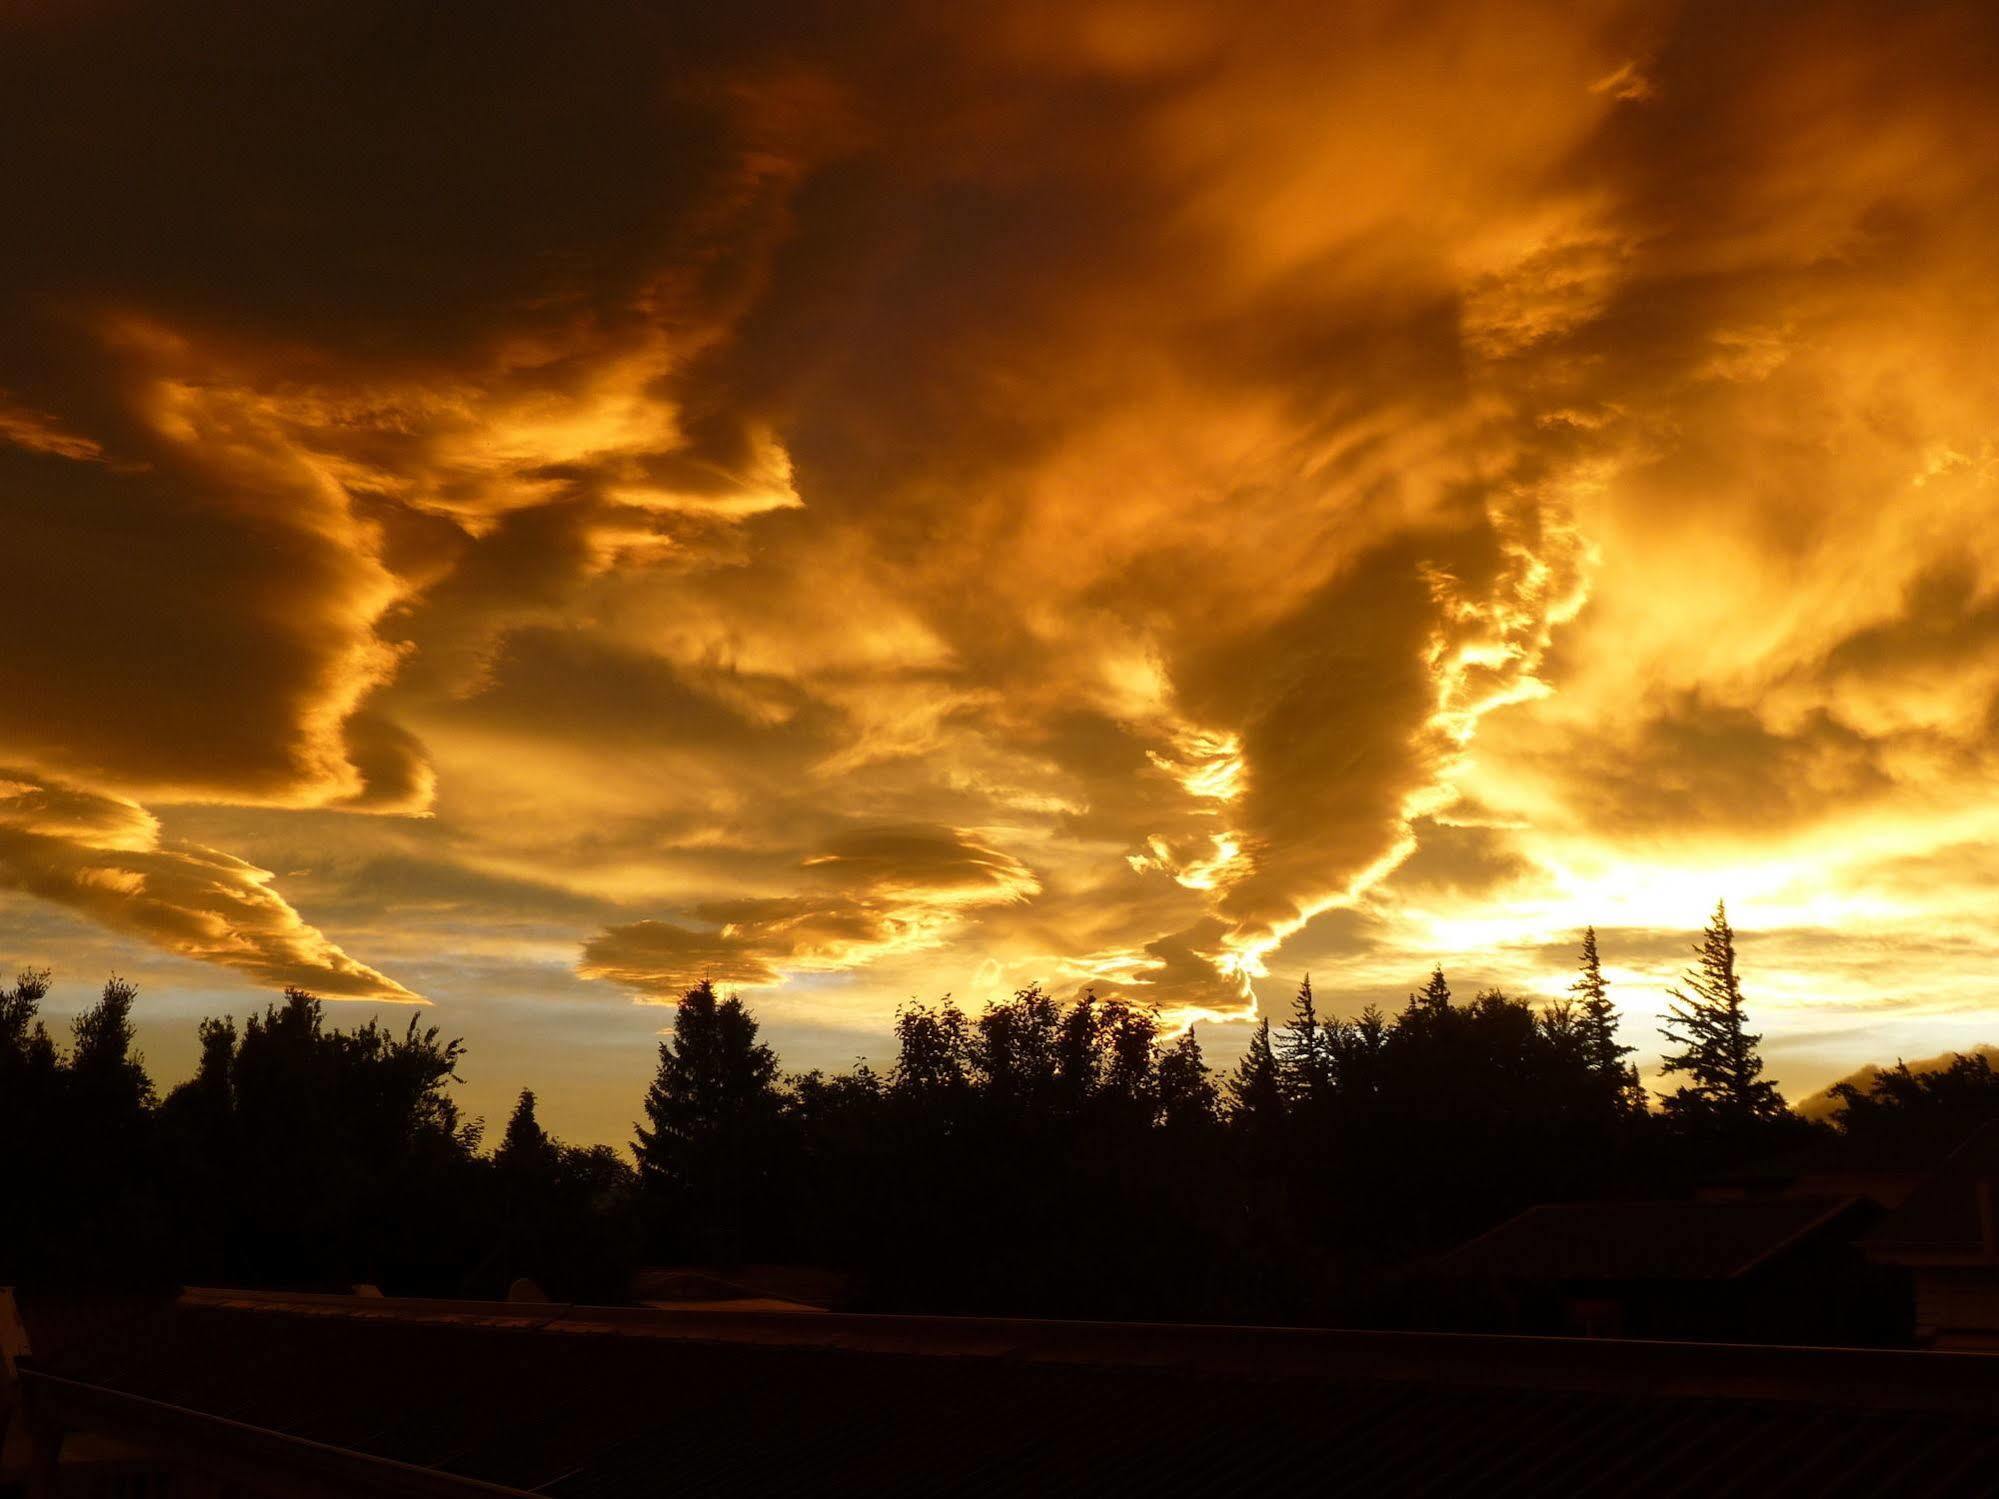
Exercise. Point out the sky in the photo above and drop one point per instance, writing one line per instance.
(512, 510)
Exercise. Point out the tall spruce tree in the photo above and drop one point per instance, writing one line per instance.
(1594, 1016)
(1725, 1083)
(1305, 1053)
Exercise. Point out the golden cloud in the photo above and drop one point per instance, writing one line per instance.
(106, 858)
(1132, 495)
(888, 892)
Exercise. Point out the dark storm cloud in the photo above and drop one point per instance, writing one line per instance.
(1090, 482)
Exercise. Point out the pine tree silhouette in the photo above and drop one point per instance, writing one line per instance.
(525, 1145)
(706, 1152)
(1435, 996)
(1305, 1053)
(1256, 1091)
(1595, 1021)
(1188, 1098)
(1717, 1052)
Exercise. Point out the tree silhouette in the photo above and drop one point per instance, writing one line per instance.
(1256, 1090)
(198, 1129)
(1358, 1050)
(564, 1217)
(1717, 1053)
(1305, 1053)
(1019, 1049)
(1188, 1098)
(1930, 1110)
(312, 1154)
(106, 1117)
(933, 1053)
(525, 1146)
(30, 1080)
(105, 1074)
(1595, 1020)
(1434, 998)
(23, 1036)
(1048, 1156)
(707, 1150)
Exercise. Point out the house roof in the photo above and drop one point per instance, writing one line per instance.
(1943, 1217)
(589, 1403)
(1640, 1241)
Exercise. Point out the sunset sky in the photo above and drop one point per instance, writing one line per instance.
(521, 507)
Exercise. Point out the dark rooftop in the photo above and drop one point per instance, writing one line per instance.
(607, 1403)
(1637, 1241)
(1950, 1212)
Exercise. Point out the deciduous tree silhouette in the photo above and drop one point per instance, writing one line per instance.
(340, 1154)
(106, 1076)
(1929, 1111)
(30, 1113)
(24, 1038)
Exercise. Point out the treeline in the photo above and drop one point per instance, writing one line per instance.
(1044, 1157)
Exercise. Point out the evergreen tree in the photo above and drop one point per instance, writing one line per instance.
(1305, 1053)
(1359, 1049)
(1187, 1095)
(707, 1150)
(1717, 1053)
(1256, 1090)
(1594, 1016)
(1434, 998)
(525, 1145)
